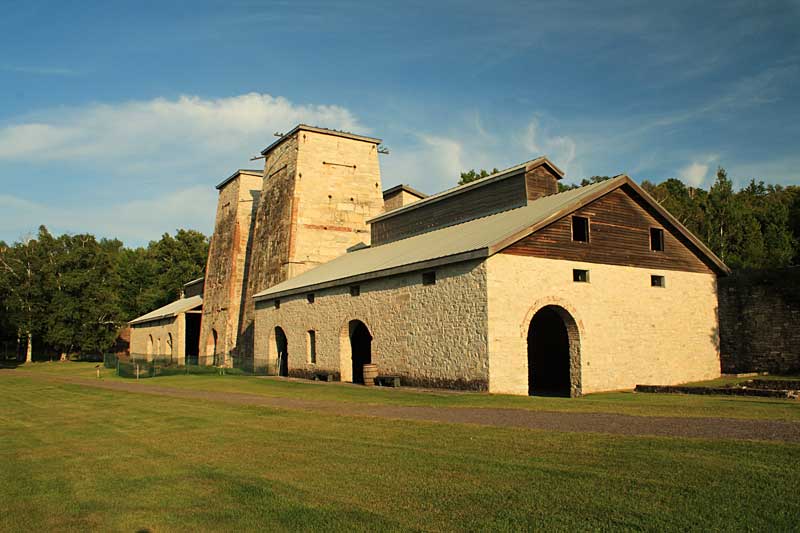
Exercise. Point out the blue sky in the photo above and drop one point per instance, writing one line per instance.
(119, 118)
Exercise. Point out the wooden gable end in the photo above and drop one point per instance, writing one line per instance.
(619, 234)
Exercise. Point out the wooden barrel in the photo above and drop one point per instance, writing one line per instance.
(370, 373)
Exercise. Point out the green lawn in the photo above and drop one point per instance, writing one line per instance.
(76, 458)
(617, 402)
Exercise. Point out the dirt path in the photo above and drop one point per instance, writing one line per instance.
(617, 424)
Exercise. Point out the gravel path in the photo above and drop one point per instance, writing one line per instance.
(617, 424)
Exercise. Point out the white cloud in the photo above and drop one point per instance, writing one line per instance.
(162, 131)
(561, 150)
(133, 222)
(696, 172)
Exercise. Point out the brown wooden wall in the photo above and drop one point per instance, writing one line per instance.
(482, 201)
(541, 181)
(619, 235)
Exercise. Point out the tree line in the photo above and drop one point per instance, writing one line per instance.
(755, 227)
(72, 293)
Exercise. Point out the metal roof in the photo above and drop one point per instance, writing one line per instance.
(171, 309)
(240, 171)
(406, 188)
(468, 240)
(325, 131)
(497, 176)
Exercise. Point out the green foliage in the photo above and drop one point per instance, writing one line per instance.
(474, 175)
(72, 293)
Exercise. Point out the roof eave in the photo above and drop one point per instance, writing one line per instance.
(349, 280)
(324, 131)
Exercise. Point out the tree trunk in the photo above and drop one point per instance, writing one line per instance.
(29, 355)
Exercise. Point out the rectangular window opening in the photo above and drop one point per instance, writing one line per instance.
(429, 278)
(657, 239)
(355, 290)
(658, 281)
(580, 229)
(310, 297)
(312, 346)
(580, 276)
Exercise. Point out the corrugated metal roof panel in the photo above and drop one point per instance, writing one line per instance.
(171, 309)
(451, 241)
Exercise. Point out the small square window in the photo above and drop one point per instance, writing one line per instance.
(312, 346)
(355, 290)
(580, 229)
(657, 239)
(580, 276)
(277, 304)
(658, 281)
(310, 297)
(429, 278)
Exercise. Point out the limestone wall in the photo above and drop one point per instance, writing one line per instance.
(431, 335)
(338, 188)
(630, 332)
(399, 199)
(225, 268)
(319, 190)
(160, 331)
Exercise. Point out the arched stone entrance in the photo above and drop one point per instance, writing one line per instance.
(211, 347)
(359, 349)
(282, 350)
(554, 365)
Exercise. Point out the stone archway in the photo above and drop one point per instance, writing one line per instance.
(149, 346)
(554, 366)
(282, 351)
(211, 347)
(355, 350)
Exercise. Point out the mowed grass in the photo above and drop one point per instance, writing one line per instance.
(76, 458)
(629, 403)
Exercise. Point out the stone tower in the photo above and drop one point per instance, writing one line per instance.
(319, 188)
(228, 255)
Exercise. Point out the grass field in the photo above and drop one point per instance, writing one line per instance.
(76, 458)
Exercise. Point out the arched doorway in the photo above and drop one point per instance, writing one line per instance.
(282, 347)
(211, 347)
(553, 353)
(170, 348)
(360, 348)
(149, 346)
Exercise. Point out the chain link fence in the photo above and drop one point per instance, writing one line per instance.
(140, 366)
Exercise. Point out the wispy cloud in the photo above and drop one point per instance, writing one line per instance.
(697, 172)
(42, 70)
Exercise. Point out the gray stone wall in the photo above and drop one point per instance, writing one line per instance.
(430, 335)
(760, 321)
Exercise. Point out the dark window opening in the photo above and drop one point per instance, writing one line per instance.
(277, 304)
(658, 281)
(581, 276)
(580, 229)
(312, 346)
(310, 297)
(355, 290)
(429, 278)
(657, 239)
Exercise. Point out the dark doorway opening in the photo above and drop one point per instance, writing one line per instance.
(550, 353)
(361, 348)
(282, 347)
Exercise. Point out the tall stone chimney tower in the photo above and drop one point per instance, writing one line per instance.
(320, 186)
(228, 256)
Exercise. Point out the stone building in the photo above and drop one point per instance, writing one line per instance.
(502, 284)
(172, 330)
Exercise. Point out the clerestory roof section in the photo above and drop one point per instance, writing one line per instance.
(469, 240)
(170, 310)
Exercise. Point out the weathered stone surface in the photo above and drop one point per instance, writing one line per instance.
(629, 331)
(760, 321)
(429, 335)
(319, 190)
(225, 268)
